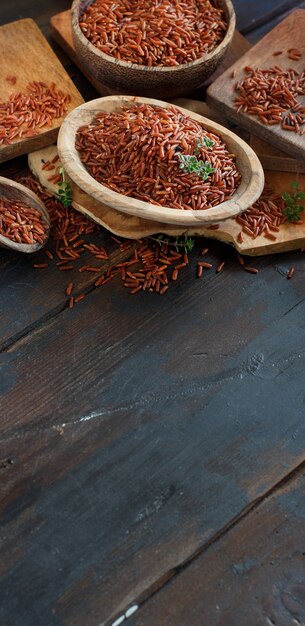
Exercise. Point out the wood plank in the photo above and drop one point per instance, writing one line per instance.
(251, 15)
(38, 295)
(253, 575)
(41, 12)
(62, 33)
(264, 26)
(222, 93)
(181, 440)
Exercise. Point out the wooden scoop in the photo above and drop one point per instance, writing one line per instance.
(11, 190)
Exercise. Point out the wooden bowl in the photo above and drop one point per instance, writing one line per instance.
(130, 78)
(14, 191)
(249, 190)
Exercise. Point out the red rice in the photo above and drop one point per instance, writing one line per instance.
(150, 267)
(21, 223)
(23, 114)
(154, 32)
(272, 96)
(264, 217)
(291, 273)
(134, 152)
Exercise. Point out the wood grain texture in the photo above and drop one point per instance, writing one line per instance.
(250, 15)
(273, 159)
(237, 573)
(273, 19)
(130, 78)
(25, 53)
(249, 189)
(135, 429)
(118, 487)
(37, 296)
(62, 33)
(288, 34)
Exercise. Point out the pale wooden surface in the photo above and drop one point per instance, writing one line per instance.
(25, 53)
(288, 34)
(131, 78)
(251, 185)
(11, 190)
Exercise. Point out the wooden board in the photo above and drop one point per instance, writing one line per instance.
(273, 159)
(290, 237)
(62, 33)
(253, 575)
(25, 54)
(221, 94)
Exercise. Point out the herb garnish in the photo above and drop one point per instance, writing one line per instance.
(184, 242)
(293, 208)
(205, 142)
(65, 190)
(190, 164)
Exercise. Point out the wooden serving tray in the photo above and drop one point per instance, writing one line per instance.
(221, 94)
(290, 237)
(25, 54)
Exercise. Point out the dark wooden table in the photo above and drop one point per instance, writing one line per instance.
(152, 449)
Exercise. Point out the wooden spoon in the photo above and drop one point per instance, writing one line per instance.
(249, 190)
(11, 190)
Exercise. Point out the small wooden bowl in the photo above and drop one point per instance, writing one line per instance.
(14, 191)
(130, 78)
(249, 190)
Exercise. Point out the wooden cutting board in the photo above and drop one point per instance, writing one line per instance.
(290, 237)
(221, 94)
(26, 55)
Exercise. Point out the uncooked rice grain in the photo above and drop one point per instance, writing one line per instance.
(135, 152)
(154, 32)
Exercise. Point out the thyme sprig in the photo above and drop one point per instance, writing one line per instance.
(183, 241)
(190, 164)
(64, 189)
(205, 142)
(293, 207)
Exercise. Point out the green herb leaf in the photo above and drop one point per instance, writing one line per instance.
(64, 189)
(184, 242)
(293, 209)
(205, 142)
(191, 165)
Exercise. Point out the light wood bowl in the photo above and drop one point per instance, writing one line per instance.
(130, 78)
(14, 191)
(249, 190)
